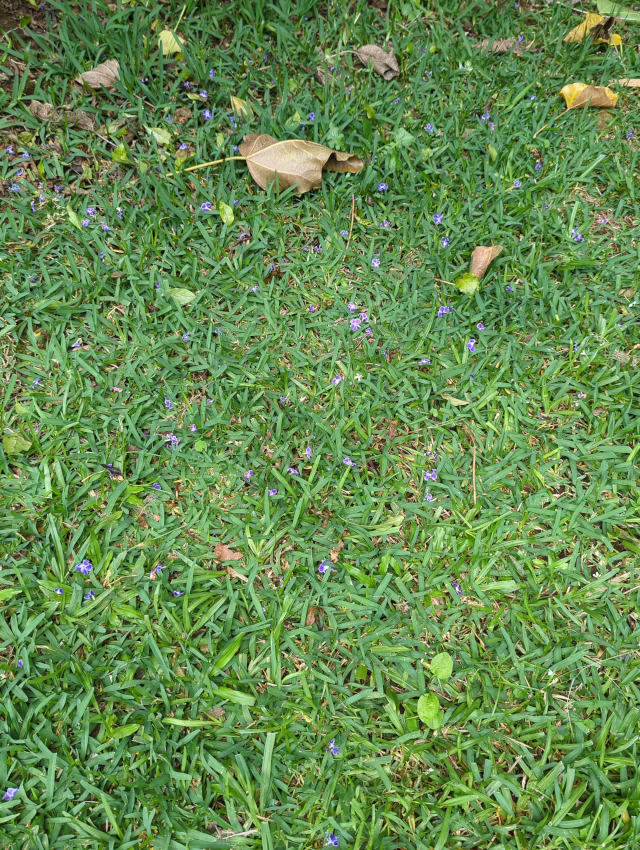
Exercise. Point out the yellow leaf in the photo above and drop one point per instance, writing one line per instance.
(614, 40)
(578, 33)
(242, 108)
(170, 43)
(579, 95)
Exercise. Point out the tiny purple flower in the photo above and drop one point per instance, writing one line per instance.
(236, 149)
(430, 475)
(324, 567)
(336, 380)
(84, 567)
(249, 475)
(204, 94)
(364, 315)
(293, 471)
(194, 428)
(351, 307)
(425, 362)
(20, 663)
(211, 74)
(36, 382)
(375, 263)
(90, 595)
(185, 337)
(59, 591)
(480, 326)
(102, 256)
(471, 345)
(355, 324)
(10, 793)
(348, 462)
(630, 134)
(428, 497)
(457, 588)
(206, 114)
(382, 187)
(517, 184)
(437, 219)
(157, 486)
(332, 747)
(575, 347)
(333, 840)
(177, 593)
(312, 308)
(307, 451)
(255, 288)
(445, 242)
(25, 155)
(10, 150)
(85, 222)
(312, 116)
(429, 128)
(120, 215)
(538, 165)
(520, 38)
(368, 331)
(90, 211)
(344, 233)
(168, 404)
(509, 288)
(273, 492)
(485, 117)
(206, 206)
(183, 146)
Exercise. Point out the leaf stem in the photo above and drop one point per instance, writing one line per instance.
(207, 164)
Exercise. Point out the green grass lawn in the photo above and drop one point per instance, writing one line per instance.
(395, 480)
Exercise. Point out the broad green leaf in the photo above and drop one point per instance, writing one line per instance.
(9, 592)
(21, 408)
(428, 707)
(15, 444)
(467, 283)
(238, 697)
(124, 731)
(360, 575)
(402, 138)
(493, 153)
(226, 213)
(220, 139)
(436, 722)
(200, 446)
(442, 665)
(183, 296)
(73, 217)
(120, 154)
(228, 653)
(161, 136)
(606, 7)
(294, 122)
(170, 43)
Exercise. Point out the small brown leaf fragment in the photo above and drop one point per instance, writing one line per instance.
(311, 616)
(393, 429)
(235, 574)
(633, 83)
(383, 63)
(43, 111)
(223, 553)
(79, 118)
(481, 257)
(216, 713)
(604, 117)
(297, 162)
(504, 45)
(182, 115)
(104, 75)
(335, 552)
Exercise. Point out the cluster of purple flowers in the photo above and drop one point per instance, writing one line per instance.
(382, 187)
(430, 475)
(442, 311)
(471, 345)
(84, 567)
(249, 475)
(173, 440)
(576, 235)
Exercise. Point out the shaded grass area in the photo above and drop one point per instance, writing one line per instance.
(177, 698)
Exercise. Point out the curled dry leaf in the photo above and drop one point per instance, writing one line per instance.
(383, 63)
(504, 45)
(242, 108)
(322, 74)
(223, 553)
(579, 95)
(335, 552)
(80, 119)
(105, 75)
(182, 115)
(481, 258)
(75, 117)
(43, 111)
(311, 616)
(297, 162)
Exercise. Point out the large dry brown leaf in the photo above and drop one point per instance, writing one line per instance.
(481, 257)
(383, 63)
(223, 552)
(504, 45)
(104, 75)
(579, 95)
(311, 616)
(297, 162)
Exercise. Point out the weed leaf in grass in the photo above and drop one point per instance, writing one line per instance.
(226, 213)
(503, 45)
(606, 7)
(170, 43)
(73, 217)
(383, 63)
(15, 444)
(242, 108)
(297, 162)
(442, 665)
(105, 75)
(579, 95)
(428, 707)
(182, 296)
(467, 283)
(120, 154)
(159, 134)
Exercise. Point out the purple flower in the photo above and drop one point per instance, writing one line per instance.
(312, 308)
(603, 220)
(90, 211)
(183, 146)
(9, 794)
(480, 326)
(344, 233)
(292, 471)
(520, 37)
(14, 187)
(630, 134)
(485, 117)
(445, 242)
(178, 593)
(236, 202)
(575, 347)
(538, 165)
(90, 595)
(159, 568)
(424, 362)
(324, 567)
(386, 223)
(59, 591)
(332, 747)
(120, 215)
(442, 311)
(249, 475)
(576, 235)
(36, 382)
(364, 315)
(211, 74)
(171, 438)
(348, 462)
(273, 492)
(375, 263)
(382, 187)
(437, 219)
(25, 155)
(203, 93)
(10, 150)
(509, 288)
(194, 428)
(492, 126)
(355, 324)
(428, 497)
(336, 380)
(85, 222)
(84, 567)
(369, 332)
(157, 486)
(517, 184)
(206, 206)
(351, 307)
(471, 345)
(455, 584)
(429, 128)
(312, 116)
(430, 475)
(546, 206)
(333, 839)
(102, 256)
(206, 114)
(255, 288)
(236, 149)
(307, 451)
(20, 663)
(168, 404)
(185, 337)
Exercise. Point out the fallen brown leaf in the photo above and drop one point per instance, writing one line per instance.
(223, 552)
(633, 83)
(75, 117)
(78, 118)
(104, 75)
(335, 552)
(297, 162)
(393, 429)
(579, 95)
(604, 118)
(383, 63)
(311, 616)
(43, 111)
(504, 45)
(322, 74)
(481, 258)
(182, 115)
(216, 713)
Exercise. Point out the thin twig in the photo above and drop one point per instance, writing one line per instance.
(353, 212)
(546, 125)
(206, 164)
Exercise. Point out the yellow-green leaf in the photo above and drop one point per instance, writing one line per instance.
(170, 43)
(242, 108)
(467, 283)
(120, 154)
(428, 707)
(183, 296)
(159, 134)
(15, 444)
(124, 731)
(73, 217)
(493, 153)
(226, 213)
(442, 665)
